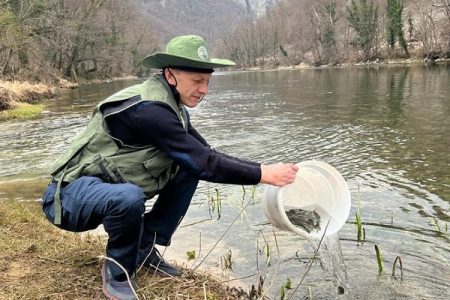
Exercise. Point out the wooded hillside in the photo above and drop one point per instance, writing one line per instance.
(42, 40)
(338, 31)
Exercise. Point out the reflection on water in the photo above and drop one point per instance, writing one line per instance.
(386, 130)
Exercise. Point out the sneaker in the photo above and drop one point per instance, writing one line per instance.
(117, 290)
(155, 262)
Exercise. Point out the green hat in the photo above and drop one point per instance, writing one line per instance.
(188, 51)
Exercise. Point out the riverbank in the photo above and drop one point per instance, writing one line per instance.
(40, 261)
(19, 99)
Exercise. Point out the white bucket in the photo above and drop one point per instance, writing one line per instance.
(320, 190)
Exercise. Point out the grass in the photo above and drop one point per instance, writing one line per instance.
(16, 98)
(361, 233)
(379, 259)
(40, 261)
(22, 111)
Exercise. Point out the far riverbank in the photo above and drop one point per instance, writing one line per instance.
(20, 99)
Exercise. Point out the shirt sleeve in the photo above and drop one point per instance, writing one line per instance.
(198, 136)
(155, 123)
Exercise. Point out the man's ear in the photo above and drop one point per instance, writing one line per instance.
(169, 76)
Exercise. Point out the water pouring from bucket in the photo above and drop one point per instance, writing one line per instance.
(317, 203)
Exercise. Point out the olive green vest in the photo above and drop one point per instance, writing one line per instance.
(94, 152)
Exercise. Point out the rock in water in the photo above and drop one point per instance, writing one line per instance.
(308, 220)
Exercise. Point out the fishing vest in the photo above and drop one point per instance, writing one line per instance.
(94, 152)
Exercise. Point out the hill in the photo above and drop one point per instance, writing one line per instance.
(211, 19)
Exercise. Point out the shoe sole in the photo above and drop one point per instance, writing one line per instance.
(105, 292)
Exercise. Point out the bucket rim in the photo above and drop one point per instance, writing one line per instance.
(344, 190)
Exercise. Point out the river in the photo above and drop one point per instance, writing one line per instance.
(385, 129)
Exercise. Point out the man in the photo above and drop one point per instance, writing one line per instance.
(140, 143)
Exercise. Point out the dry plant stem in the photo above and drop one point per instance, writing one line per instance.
(217, 242)
(151, 249)
(51, 259)
(199, 251)
(244, 277)
(156, 282)
(278, 266)
(257, 250)
(399, 259)
(195, 223)
(162, 255)
(257, 247)
(440, 256)
(316, 252)
(123, 269)
(204, 290)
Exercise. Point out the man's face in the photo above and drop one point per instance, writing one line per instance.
(192, 86)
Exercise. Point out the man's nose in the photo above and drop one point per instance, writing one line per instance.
(203, 89)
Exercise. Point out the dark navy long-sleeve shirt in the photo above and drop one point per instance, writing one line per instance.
(155, 123)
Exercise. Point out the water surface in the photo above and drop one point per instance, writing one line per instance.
(387, 130)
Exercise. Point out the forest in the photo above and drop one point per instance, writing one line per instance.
(45, 40)
(328, 32)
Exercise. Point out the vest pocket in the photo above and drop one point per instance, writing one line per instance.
(158, 166)
(105, 170)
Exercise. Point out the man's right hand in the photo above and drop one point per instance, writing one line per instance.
(278, 174)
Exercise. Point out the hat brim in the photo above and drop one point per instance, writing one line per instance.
(163, 60)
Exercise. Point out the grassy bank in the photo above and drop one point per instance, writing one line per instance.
(22, 111)
(39, 261)
(18, 99)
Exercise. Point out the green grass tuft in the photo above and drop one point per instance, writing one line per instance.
(22, 111)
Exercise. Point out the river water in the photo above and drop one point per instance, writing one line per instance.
(385, 129)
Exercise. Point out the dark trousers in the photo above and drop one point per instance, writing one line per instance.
(88, 202)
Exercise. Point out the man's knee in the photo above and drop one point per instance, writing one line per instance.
(131, 198)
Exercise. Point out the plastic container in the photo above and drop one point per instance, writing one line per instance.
(318, 202)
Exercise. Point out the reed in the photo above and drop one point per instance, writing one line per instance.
(253, 193)
(288, 284)
(435, 222)
(227, 263)
(379, 259)
(264, 251)
(282, 292)
(215, 204)
(361, 232)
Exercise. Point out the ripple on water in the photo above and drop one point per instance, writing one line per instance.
(393, 157)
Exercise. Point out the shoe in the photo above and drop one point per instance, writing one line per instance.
(158, 265)
(117, 290)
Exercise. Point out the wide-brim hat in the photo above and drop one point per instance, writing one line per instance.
(188, 51)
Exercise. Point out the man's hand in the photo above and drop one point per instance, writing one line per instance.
(278, 174)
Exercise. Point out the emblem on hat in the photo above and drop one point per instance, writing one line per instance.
(202, 53)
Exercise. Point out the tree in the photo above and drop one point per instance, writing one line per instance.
(19, 22)
(324, 22)
(394, 11)
(363, 18)
(45, 40)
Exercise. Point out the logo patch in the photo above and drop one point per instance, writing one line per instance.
(202, 53)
